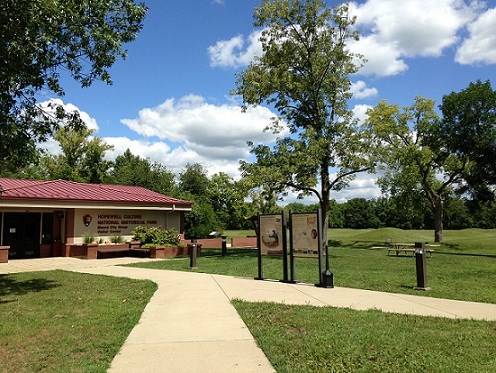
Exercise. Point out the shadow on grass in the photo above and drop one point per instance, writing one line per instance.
(466, 254)
(360, 245)
(9, 286)
(410, 287)
(230, 252)
(252, 253)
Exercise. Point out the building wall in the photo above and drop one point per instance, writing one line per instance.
(173, 220)
(103, 224)
(66, 226)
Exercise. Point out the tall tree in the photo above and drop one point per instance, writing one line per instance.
(82, 157)
(194, 180)
(469, 126)
(227, 198)
(40, 39)
(130, 169)
(304, 73)
(194, 184)
(408, 142)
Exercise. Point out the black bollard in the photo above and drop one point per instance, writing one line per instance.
(224, 245)
(421, 266)
(192, 254)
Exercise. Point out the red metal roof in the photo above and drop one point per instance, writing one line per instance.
(70, 191)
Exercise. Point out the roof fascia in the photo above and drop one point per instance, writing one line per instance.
(64, 205)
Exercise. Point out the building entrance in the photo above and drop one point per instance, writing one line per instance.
(21, 231)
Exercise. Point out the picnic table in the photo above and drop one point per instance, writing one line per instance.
(405, 249)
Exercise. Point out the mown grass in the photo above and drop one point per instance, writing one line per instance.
(463, 269)
(327, 339)
(314, 339)
(465, 241)
(61, 321)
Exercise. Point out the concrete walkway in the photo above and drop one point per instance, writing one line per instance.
(189, 324)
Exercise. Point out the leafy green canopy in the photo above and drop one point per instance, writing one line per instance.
(469, 127)
(130, 169)
(41, 38)
(408, 144)
(303, 73)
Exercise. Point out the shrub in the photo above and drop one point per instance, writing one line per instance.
(153, 236)
(88, 238)
(116, 239)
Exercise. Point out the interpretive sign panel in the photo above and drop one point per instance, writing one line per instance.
(271, 234)
(305, 234)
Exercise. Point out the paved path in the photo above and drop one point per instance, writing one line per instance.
(189, 324)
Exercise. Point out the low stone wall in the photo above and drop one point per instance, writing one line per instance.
(4, 254)
(168, 252)
(243, 242)
(75, 250)
(90, 251)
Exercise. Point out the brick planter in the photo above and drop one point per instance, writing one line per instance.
(167, 252)
(91, 250)
(4, 254)
(156, 252)
(244, 242)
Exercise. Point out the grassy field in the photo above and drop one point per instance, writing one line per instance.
(326, 339)
(465, 241)
(61, 321)
(463, 268)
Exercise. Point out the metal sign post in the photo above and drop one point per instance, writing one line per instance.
(292, 272)
(284, 250)
(326, 277)
(259, 247)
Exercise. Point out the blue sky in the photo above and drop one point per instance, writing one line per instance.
(170, 100)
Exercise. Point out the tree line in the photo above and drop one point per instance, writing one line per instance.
(223, 203)
(361, 213)
(431, 159)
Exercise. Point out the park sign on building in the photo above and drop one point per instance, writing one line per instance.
(41, 218)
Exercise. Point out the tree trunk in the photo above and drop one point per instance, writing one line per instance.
(438, 219)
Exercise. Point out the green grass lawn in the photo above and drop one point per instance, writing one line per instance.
(465, 241)
(61, 321)
(326, 339)
(462, 277)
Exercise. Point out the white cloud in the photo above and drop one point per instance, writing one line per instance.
(480, 46)
(382, 59)
(154, 151)
(395, 30)
(50, 105)
(196, 123)
(189, 130)
(362, 187)
(230, 53)
(213, 135)
(360, 112)
(160, 152)
(360, 90)
(174, 159)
